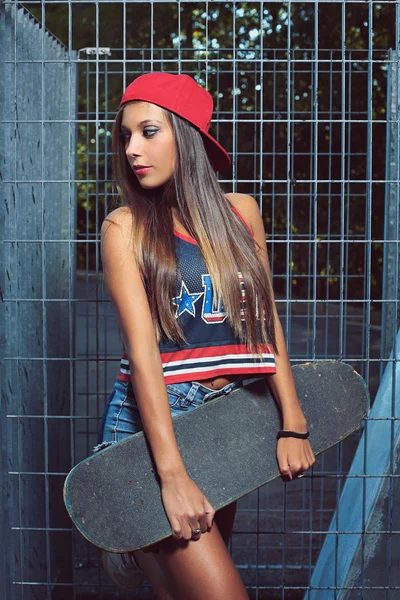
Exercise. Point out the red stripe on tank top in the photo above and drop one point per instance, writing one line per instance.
(239, 349)
(243, 221)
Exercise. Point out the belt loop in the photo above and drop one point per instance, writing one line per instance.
(187, 399)
(193, 391)
(230, 387)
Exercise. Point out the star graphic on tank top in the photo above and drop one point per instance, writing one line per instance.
(185, 301)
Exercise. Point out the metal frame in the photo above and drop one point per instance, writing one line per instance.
(61, 358)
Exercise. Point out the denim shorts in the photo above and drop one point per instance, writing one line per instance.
(121, 416)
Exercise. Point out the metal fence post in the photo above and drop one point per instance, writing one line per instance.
(391, 257)
(38, 168)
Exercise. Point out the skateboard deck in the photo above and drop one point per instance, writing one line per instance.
(228, 446)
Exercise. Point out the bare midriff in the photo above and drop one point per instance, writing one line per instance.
(216, 383)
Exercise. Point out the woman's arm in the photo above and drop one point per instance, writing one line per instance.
(127, 292)
(121, 274)
(294, 455)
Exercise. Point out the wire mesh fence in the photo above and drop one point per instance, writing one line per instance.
(307, 103)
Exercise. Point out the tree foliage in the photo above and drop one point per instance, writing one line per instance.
(309, 108)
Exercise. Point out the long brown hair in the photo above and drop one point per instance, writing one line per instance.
(207, 215)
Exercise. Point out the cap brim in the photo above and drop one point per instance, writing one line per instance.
(218, 156)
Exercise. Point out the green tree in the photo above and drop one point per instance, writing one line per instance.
(230, 48)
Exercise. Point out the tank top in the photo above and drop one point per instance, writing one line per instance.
(211, 348)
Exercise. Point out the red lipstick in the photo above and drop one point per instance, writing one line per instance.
(141, 169)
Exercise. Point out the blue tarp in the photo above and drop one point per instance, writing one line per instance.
(372, 459)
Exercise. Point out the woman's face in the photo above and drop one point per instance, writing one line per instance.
(149, 142)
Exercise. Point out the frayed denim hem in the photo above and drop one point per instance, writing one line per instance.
(102, 446)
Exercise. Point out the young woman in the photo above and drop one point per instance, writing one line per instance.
(186, 267)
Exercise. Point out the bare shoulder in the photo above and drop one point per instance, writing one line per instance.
(118, 222)
(248, 208)
(121, 216)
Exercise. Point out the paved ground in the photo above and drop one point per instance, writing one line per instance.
(265, 556)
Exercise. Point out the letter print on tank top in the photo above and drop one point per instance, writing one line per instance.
(210, 313)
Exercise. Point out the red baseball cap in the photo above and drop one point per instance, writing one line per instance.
(183, 96)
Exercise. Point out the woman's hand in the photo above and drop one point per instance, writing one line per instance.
(294, 456)
(186, 506)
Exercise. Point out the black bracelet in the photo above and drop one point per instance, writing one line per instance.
(295, 434)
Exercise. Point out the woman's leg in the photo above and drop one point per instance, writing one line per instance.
(202, 569)
(224, 518)
(155, 568)
(155, 573)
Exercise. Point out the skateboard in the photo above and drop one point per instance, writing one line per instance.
(228, 446)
